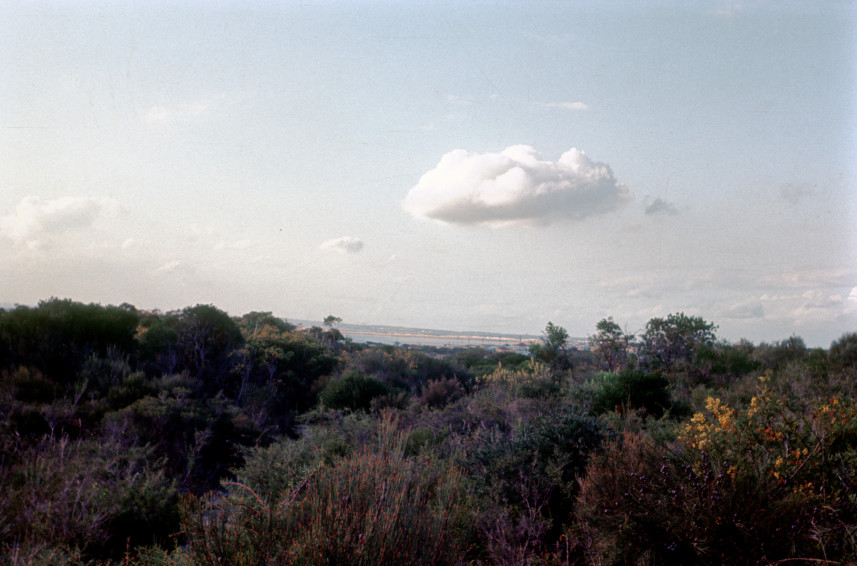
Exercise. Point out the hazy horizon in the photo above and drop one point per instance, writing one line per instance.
(485, 167)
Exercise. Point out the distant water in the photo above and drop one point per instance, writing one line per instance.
(459, 341)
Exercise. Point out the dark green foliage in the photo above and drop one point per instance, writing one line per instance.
(30, 386)
(673, 343)
(481, 362)
(159, 344)
(276, 373)
(207, 337)
(778, 354)
(407, 370)
(546, 455)
(554, 349)
(632, 389)
(610, 345)
(58, 335)
(353, 390)
(723, 362)
(528, 482)
(255, 322)
(843, 352)
(106, 414)
(199, 439)
(133, 387)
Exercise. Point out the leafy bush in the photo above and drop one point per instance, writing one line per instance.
(30, 385)
(778, 354)
(632, 389)
(843, 352)
(353, 390)
(529, 481)
(535, 380)
(199, 439)
(440, 392)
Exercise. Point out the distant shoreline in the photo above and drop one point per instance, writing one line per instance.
(457, 337)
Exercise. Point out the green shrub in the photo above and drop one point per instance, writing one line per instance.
(96, 496)
(536, 380)
(29, 385)
(632, 389)
(199, 439)
(353, 390)
(843, 352)
(133, 387)
(528, 482)
(438, 393)
(375, 507)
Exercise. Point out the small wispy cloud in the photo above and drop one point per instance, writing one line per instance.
(751, 308)
(515, 186)
(344, 245)
(169, 267)
(793, 193)
(727, 8)
(236, 245)
(567, 105)
(180, 112)
(553, 39)
(459, 100)
(661, 207)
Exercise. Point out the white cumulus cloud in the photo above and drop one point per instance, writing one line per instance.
(515, 186)
(345, 245)
(34, 217)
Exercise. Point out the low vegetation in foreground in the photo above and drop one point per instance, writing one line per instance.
(197, 438)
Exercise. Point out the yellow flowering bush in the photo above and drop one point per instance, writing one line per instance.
(791, 442)
(771, 479)
(536, 379)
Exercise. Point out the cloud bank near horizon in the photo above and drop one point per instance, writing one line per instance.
(514, 187)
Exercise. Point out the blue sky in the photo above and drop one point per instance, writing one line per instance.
(465, 166)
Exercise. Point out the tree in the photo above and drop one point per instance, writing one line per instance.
(332, 335)
(554, 347)
(208, 336)
(674, 341)
(256, 321)
(158, 338)
(610, 345)
(331, 321)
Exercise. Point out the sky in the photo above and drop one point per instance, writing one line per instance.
(453, 165)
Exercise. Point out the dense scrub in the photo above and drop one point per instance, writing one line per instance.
(194, 437)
